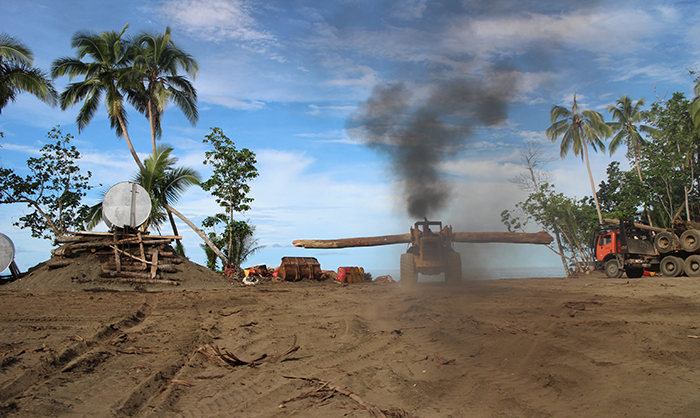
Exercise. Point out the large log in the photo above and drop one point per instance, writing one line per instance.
(640, 226)
(353, 242)
(504, 237)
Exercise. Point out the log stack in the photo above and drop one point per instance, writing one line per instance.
(132, 257)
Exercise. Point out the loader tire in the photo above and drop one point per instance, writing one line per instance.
(692, 266)
(671, 266)
(665, 242)
(453, 273)
(690, 240)
(612, 269)
(409, 275)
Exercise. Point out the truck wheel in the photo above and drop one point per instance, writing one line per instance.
(612, 269)
(692, 265)
(665, 242)
(634, 272)
(671, 266)
(409, 275)
(453, 274)
(690, 240)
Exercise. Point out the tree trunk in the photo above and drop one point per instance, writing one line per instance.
(128, 143)
(151, 122)
(200, 233)
(561, 253)
(172, 223)
(590, 175)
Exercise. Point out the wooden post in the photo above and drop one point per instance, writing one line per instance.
(154, 265)
(117, 260)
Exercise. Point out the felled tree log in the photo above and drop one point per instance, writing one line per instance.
(353, 242)
(504, 237)
(63, 250)
(105, 272)
(54, 264)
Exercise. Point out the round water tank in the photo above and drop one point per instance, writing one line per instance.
(126, 204)
(7, 251)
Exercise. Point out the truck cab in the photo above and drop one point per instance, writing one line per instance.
(624, 248)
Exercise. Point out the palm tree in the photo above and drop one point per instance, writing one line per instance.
(628, 127)
(157, 61)
(577, 130)
(165, 183)
(17, 74)
(104, 76)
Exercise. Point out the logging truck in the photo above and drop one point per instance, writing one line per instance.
(625, 247)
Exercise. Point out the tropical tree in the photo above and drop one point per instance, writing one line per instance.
(53, 189)
(627, 128)
(578, 130)
(232, 170)
(165, 183)
(17, 74)
(672, 180)
(157, 61)
(237, 238)
(102, 77)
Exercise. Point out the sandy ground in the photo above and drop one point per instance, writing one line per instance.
(586, 346)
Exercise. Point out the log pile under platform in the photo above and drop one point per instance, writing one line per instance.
(129, 257)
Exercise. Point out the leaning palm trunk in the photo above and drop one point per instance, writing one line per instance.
(200, 233)
(590, 175)
(128, 143)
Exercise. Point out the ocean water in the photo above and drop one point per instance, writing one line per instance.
(485, 274)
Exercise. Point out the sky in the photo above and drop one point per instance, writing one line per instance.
(314, 88)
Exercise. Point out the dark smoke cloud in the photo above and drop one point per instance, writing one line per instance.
(419, 134)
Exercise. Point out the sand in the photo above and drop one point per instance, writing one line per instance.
(584, 346)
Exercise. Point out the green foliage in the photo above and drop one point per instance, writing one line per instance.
(671, 177)
(556, 213)
(142, 71)
(232, 169)
(155, 79)
(17, 74)
(578, 130)
(622, 195)
(238, 234)
(54, 189)
(164, 182)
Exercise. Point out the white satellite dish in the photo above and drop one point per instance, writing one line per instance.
(7, 252)
(126, 204)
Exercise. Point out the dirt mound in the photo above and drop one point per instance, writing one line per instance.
(83, 273)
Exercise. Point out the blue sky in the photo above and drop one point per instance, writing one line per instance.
(287, 79)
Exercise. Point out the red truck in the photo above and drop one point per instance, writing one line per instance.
(627, 247)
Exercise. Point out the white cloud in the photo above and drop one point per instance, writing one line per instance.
(233, 103)
(216, 20)
(409, 9)
(315, 110)
(591, 29)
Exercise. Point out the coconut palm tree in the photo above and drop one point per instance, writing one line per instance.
(628, 127)
(578, 130)
(17, 74)
(165, 183)
(157, 61)
(104, 77)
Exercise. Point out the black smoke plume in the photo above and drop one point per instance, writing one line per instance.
(419, 134)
